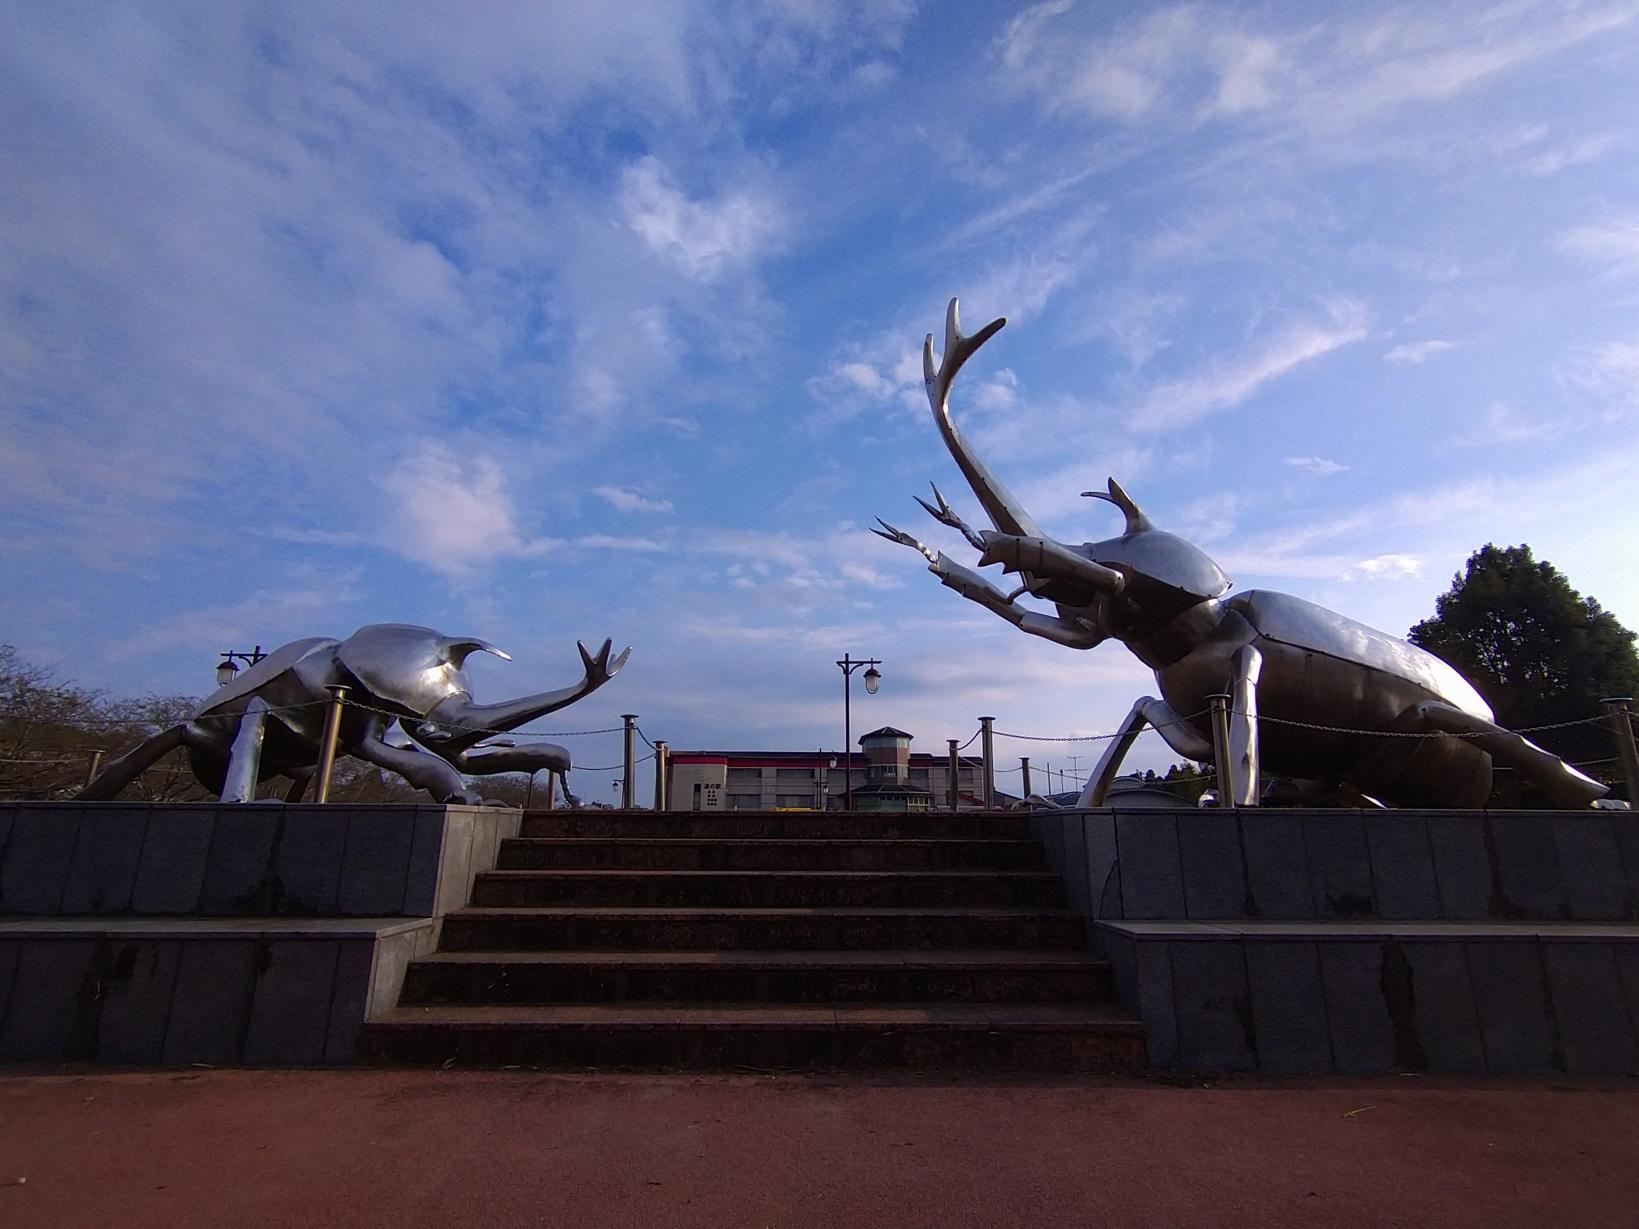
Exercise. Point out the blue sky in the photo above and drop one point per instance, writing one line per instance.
(558, 320)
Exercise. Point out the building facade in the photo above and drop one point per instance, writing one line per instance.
(886, 776)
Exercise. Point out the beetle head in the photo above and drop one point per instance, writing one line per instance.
(1163, 571)
(412, 668)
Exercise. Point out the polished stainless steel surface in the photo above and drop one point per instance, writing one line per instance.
(409, 709)
(1315, 696)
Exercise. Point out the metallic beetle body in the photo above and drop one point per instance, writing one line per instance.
(1336, 698)
(411, 711)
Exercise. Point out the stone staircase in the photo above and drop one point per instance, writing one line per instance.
(763, 941)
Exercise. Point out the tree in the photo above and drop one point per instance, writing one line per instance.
(1536, 649)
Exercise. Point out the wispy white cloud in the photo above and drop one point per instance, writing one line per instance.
(455, 514)
(1386, 567)
(1320, 467)
(1411, 353)
(702, 238)
(626, 542)
(624, 499)
(1613, 243)
(1230, 382)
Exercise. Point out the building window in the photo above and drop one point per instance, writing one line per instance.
(794, 800)
(744, 802)
(745, 774)
(792, 775)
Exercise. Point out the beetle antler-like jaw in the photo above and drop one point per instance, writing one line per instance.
(1004, 510)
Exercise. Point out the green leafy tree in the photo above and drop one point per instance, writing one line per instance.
(1536, 649)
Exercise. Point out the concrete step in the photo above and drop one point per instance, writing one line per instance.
(747, 854)
(745, 977)
(588, 929)
(777, 825)
(1013, 1037)
(768, 889)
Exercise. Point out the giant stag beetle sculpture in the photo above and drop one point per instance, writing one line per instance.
(269, 720)
(1337, 697)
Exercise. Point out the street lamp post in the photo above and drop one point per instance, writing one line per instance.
(873, 679)
(226, 670)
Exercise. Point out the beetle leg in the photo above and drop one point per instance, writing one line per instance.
(1247, 663)
(245, 756)
(127, 768)
(421, 769)
(1146, 710)
(977, 589)
(1564, 785)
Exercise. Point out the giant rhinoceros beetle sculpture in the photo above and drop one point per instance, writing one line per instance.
(1338, 698)
(269, 721)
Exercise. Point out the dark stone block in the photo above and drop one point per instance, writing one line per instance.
(1357, 1010)
(1214, 1008)
(1277, 872)
(10, 951)
(1152, 884)
(1627, 844)
(290, 1012)
(1443, 1018)
(52, 1012)
(136, 1007)
(106, 858)
(1049, 829)
(1152, 964)
(1209, 849)
(375, 864)
(426, 852)
(214, 982)
(1120, 950)
(1512, 999)
(1529, 882)
(1103, 866)
(37, 858)
(174, 855)
(349, 1000)
(1596, 1033)
(1073, 865)
(1462, 866)
(307, 864)
(1591, 862)
(1403, 883)
(1340, 869)
(1288, 1007)
(238, 874)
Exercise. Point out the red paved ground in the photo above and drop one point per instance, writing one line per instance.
(408, 1149)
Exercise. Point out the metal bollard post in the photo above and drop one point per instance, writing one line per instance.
(552, 790)
(988, 748)
(1622, 730)
(93, 766)
(954, 788)
(1024, 765)
(1220, 749)
(661, 767)
(327, 745)
(626, 781)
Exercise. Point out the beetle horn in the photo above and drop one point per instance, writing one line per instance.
(457, 650)
(1137, 522)
(1004, 510)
